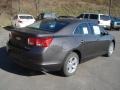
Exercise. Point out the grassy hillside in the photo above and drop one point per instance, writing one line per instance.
(61, 7)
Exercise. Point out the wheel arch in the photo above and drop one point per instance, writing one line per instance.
(78, 53)
(113, 43)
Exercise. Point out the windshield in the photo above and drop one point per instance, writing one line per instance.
(49, 25)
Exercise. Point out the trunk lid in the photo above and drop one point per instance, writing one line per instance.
(19, 37)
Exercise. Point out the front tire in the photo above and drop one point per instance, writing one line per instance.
(70, 65)
(110, 49)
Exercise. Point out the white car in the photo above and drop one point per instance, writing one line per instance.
(22, 20)
(102, 19)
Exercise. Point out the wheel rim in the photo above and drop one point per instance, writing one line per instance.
(72, 64)
(111, 48)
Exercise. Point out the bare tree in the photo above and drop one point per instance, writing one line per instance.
(36, 2)
(11, 8)
(19, 5)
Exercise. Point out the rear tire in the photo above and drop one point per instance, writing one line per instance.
(70, 65)
(110, 49)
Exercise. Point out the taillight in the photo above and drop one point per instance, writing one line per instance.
(43, 42)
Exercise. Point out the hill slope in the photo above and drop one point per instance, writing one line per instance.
(61, 7)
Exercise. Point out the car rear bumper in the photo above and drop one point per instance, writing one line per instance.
(34, 66)
(30, 60)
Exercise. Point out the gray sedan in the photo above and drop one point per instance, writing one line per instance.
(59, 44)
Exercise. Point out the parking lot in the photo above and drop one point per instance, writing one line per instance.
(101, 73)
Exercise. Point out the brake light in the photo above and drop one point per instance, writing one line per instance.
(43, 42)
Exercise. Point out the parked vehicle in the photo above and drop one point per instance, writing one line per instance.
(102, 19)
(115, 23)
(46, 16)
(22, 20)
(59, 44)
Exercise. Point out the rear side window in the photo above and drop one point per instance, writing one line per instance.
(86, 16)
(26, 17)
(104, 17)
(49, 25)
(93, 16)
(82, 29)
(79, 29)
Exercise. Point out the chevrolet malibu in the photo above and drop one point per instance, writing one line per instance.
(59, 44)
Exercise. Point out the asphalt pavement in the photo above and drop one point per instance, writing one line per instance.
(101, 73)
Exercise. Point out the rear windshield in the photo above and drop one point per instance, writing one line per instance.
(26, 17)
(104, 17)
(49, 25)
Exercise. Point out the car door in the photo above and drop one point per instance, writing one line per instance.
(88, 46)
(90, 42)
(102, 41)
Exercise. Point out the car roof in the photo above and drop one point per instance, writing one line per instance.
(96, 13)
(73, 23)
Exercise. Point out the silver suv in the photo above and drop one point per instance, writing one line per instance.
(102, 19)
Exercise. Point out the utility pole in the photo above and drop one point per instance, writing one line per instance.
(110, 4)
